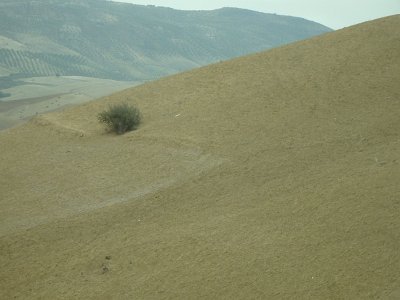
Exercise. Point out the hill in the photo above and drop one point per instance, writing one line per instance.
(271, 176)
(119, 41)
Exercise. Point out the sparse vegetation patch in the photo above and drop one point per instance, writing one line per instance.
(120, 118)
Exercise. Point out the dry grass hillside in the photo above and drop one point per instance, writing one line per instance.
(272, 176)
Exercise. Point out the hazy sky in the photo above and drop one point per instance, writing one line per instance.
(335, 14)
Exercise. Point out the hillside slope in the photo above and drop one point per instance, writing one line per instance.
(271, 176)
(105, 39)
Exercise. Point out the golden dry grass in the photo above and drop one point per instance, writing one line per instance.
(272, 176)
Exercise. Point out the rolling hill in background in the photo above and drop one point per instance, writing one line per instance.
(270, 176)
(119, 41)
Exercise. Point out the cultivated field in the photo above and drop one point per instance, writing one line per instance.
(43, 94)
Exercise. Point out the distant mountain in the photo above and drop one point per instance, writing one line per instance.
(104, 39)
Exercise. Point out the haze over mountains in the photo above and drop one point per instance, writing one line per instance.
(270, 176)
(120, 41)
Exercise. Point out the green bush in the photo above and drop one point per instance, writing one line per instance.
(120, 118)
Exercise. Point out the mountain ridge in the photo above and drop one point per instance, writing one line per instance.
(123, 41)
